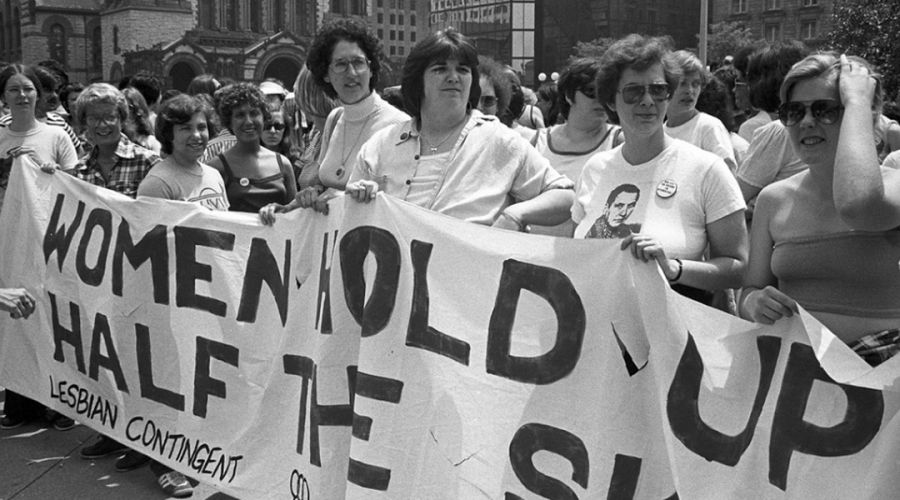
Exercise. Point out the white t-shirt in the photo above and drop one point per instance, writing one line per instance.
(678, 193)
(49, 143)
(748, 128)
(203, 186)
(770, 158)
(707, 133)
(570, 164)
(892, 160)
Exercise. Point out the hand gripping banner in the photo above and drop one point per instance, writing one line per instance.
(385, 351)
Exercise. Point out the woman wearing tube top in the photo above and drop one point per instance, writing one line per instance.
(806, 248)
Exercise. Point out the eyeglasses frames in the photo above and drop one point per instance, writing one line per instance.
(279, 126)
(824, 111)
(340, 66)
(633, 93)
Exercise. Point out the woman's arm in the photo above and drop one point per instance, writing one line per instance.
(549, 208)
(760, 300)
(866, 197)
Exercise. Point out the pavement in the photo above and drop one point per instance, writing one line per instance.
(39, 462)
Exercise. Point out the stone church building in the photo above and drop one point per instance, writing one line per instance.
(104, 40)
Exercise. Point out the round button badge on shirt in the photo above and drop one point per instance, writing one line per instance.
(666, 189)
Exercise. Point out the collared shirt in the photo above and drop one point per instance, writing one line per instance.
(132, 164)
(489, 168)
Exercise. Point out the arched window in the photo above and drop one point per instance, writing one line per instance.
(116, 48)
(207, 14)
(279, 14)
(231, 15)
(15, 45)
(96, 50)
(3, 36)
(57, 43)
(255, 11)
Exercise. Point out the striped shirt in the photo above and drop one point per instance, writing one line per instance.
(132, 164)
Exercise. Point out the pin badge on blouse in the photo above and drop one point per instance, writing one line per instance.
(666, 189)
(244, 181)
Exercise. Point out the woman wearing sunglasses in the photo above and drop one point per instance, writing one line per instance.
(827, 238)
(667, 200)
(452, 159)
(584, 133)
(277, 136)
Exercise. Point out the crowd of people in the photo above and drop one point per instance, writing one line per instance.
(644, 145)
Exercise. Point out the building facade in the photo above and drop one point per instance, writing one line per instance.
(539, 36)
(779, 20)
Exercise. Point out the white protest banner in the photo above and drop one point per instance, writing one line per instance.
(384, 351)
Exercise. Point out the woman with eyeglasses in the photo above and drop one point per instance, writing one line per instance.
(452, 159)
(667, 200)
(345, 60)
(827, 239)
(584, 133)
(254, 176)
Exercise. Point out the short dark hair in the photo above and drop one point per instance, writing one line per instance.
(19, 69)
(637, 52)
(319, 57)
(73, 87)
(714, 100)
(441, 46)
(58, 70)
(176, 111)
(203, 84)
(766, 69)
(622, 188)
(237, 94)
(579, 73)
(149, 85)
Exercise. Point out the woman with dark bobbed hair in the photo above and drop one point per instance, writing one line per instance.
(668, 200)
(827, 238)
(585, 131)
(254, 176)
(345, 60)
(770, 156)
(451, 158)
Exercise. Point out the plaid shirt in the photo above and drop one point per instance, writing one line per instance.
(877, 347)
(132, 164)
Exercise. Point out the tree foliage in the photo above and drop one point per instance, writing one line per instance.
(870, 29)
(726, 38)
(595, 48)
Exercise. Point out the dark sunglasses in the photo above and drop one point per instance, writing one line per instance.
(278, 126)
(590, 92)
(488, 101)
(632, 94)
(825, 111)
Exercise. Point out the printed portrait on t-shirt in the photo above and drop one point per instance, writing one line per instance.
(620, 204)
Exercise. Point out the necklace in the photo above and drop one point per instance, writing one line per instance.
(345, 155)
(432, 147)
